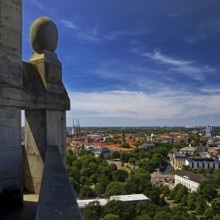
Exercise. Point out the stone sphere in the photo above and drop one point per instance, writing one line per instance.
(43, 35)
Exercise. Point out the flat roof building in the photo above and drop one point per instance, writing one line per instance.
(133, 198)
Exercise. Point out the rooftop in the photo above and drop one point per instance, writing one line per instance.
(200, 159)
(124, 198)
(176, 153)
(198, 178)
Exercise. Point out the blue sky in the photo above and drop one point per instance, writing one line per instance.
(136, 62)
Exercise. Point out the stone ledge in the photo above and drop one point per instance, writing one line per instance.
(57, 199)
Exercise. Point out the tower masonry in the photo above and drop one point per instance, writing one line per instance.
(11, 102)
(36, 87)
(45, 115)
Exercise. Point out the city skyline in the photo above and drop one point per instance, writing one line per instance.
(136, 63)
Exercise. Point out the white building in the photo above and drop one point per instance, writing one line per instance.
(131, 199)
(189, 179)
(205, 163)
(209, 131)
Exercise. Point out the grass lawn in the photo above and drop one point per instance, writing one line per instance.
(119, 165)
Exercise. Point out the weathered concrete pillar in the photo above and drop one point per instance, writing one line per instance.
(45, 122)
(56, 131)
(10, 103)
(35, 149)
(42, 128)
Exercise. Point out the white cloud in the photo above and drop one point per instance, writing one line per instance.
(83, 32)
(94, 35)
(210, 90)
(69, 24)
(90, 35)
(129, 75)
(116, 35)
(140, 106)
(180, 65)
(158, 56)
(39, 5)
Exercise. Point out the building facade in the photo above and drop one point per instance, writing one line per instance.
(176, 159)
(204, 163)
(189, 179)
(209, 131)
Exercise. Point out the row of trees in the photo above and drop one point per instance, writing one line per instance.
(201, 203)
(143, 210)
(93, 176)
(148, 160)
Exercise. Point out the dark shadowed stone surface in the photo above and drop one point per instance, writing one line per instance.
(43, 35)
(26, 212)
(57, 199)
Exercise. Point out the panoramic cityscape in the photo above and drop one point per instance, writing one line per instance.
(109, 110)
(161, 172)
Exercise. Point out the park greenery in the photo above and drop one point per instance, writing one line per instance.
(94, 177)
